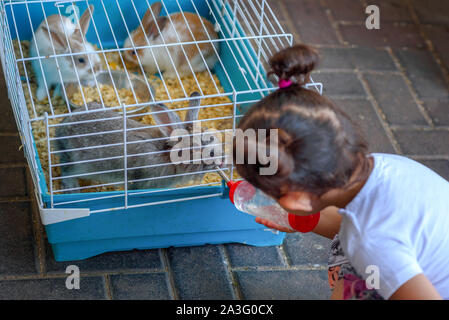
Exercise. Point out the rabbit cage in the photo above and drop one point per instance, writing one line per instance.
(103, 210)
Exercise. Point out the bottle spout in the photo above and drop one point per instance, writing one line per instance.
(231, 184)
(223, 175)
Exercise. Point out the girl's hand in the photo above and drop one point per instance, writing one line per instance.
(273, 225)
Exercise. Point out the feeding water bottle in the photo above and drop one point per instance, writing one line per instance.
(253, 201)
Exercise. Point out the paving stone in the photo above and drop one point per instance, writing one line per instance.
(17, 241)
(362, 112)
(7, 121)
(13, 182)
(432, 11)
(9, 150)
(389, 34)
(276, 7)
(424, 73)
(311, 22)
(346, 10)
(29, 182)
(307, 249)
(125, 260)
(395, 99)
(339, 84)
(151, 286)
(439, 166)
(199, 273)
(242, 255)
(438, 110)
(91, 288)
(280, 14)
(439, 36)
(335, 58)
(363, 58)
(284, 285)
(420, 142)
(393, 10)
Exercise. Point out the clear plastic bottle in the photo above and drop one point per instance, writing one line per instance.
(253, 201)
(248, 199)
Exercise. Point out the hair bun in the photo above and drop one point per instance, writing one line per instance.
(295, 62)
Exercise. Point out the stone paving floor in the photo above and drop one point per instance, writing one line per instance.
(394, 81)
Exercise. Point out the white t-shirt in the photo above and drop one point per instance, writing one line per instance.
(399, 222)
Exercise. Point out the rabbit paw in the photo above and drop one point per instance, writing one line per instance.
(56, 91)
(41, 93)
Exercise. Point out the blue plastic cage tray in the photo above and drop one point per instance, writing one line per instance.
(211, 219)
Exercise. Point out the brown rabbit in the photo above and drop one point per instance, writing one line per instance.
(172, 57)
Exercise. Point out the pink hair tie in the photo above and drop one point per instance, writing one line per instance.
(285, 83)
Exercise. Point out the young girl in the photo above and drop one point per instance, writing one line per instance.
(388, 215)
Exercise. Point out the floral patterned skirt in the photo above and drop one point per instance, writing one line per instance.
(354, 286)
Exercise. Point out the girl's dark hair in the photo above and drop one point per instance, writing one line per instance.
(319, 147)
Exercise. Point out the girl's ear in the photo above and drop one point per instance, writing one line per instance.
(297, 201)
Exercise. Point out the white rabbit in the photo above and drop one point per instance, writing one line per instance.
(41, 45)
(173, 32)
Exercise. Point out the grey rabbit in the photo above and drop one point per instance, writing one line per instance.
(107, 120)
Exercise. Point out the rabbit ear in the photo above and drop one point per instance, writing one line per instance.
(57, 38)
(148, 17)
(150, 25)
(85, 20)
(192, 114)
(166, 118)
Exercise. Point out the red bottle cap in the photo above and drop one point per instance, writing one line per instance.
(250, 190)
(232, 186)
(304, 223)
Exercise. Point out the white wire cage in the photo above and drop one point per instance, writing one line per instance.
(232, 75)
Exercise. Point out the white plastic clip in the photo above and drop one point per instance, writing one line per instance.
(52, 216)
